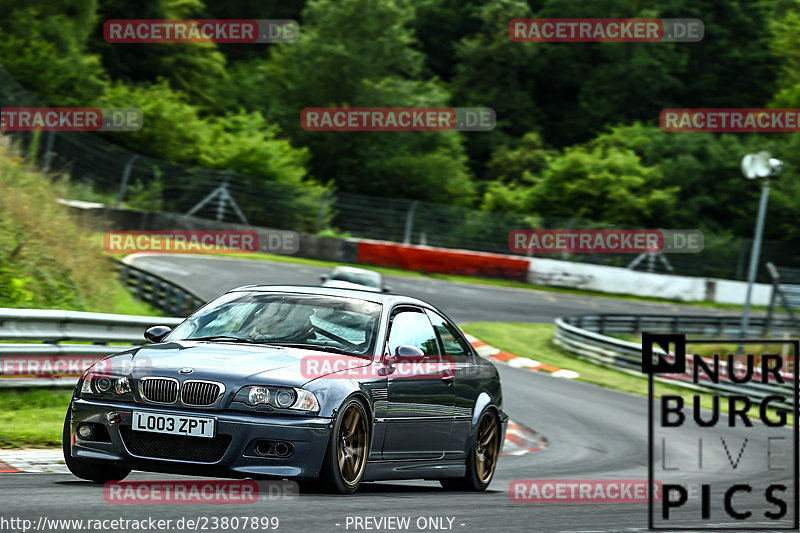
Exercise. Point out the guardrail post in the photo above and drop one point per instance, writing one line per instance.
(601, 324)
(139, 285)
(154, 294)
(165, 304)
(179, 304)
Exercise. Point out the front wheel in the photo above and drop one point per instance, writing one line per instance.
(99, 473)
(482, 458)
(346, 457)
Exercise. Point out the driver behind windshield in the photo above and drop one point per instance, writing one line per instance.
(281, 322)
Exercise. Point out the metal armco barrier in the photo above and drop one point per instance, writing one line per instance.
(585, 335)
(50, 357)
(159, 292)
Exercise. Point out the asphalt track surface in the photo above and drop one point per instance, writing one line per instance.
(593, 433)
(463, 302)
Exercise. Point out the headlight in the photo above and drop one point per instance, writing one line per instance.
(278, 397)
(96, 383)
(258, 395)
(285, 398)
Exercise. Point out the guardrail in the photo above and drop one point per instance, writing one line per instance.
(585, 336)
(159, 292)
(51, 357)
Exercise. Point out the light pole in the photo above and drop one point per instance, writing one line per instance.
(761, 165)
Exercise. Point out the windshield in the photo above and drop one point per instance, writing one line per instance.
(340, 325)
(361, 277)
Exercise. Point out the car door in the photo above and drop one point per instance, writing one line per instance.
(420, 403)
(457, 356)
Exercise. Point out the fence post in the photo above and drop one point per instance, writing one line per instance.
(410, 222)
(126, 174)
(323, 204)
(48, 150)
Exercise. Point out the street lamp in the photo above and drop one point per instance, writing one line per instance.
(761, 165)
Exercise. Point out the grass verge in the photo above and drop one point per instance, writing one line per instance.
(535, 341)
(32, 418)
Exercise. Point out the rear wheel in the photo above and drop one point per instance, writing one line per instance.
(99, 473)
(482, 458)
(346, 457)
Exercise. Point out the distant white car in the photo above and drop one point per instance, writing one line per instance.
(343, 277)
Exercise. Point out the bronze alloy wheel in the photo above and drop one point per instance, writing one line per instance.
(487, 446)
(352, 445)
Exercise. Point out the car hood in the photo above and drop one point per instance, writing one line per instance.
(233, 364)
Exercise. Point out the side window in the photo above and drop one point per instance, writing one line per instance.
(414, 329)
(454, 345)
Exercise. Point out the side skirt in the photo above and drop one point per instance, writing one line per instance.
(413, 469)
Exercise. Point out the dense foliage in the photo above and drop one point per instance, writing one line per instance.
(577, 132)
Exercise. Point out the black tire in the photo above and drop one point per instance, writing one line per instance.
(99, 473)
(331, 477)
(477, 479)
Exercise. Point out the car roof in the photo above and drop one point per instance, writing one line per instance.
(389, 299)
(342, 268)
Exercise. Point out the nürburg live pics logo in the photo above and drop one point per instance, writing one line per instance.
(724, 445)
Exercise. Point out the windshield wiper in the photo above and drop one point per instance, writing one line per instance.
(323, 347)
(224, 338)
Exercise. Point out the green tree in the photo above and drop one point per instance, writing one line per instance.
(45, 50)
(361, 53)
(190, 67)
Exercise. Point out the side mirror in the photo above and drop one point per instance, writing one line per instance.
(157, 333)
(408, 353)
(386, 288)
(323, 278)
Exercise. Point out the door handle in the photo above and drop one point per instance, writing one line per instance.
(449, 378)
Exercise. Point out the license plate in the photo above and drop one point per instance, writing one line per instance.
(191, 426)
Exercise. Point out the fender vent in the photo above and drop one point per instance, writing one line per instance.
(381, 393)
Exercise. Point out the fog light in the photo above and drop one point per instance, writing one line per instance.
(113, 417)
(85, 431)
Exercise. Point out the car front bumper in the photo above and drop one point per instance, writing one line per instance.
(308, 436)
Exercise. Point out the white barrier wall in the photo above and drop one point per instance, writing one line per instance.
(617, 280)
(727, 291)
